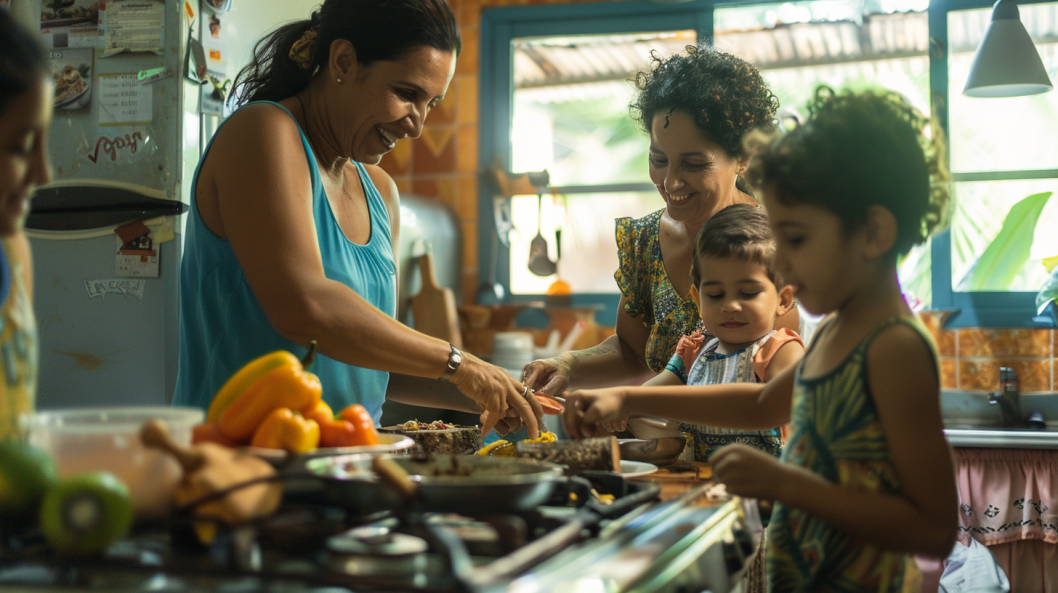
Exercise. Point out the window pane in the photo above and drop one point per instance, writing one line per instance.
(980, 209)
(843, 44)
(589, 248)
(991, 134)
(571, 105)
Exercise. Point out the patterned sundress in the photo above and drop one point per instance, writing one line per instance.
(835, 432)
(647, 290)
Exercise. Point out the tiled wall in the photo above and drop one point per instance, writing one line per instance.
(443, 163)
(970, 358)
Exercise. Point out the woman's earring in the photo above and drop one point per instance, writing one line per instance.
(339, 81)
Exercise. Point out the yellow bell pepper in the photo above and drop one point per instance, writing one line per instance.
(249, 374)
(285, 386)
(288, 430)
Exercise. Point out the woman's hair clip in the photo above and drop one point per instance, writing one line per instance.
(302, 50)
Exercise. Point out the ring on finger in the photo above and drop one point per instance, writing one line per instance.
(525, 393)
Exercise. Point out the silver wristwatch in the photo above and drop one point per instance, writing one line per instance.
(454, 359)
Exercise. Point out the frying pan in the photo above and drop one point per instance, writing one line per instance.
(464, 484)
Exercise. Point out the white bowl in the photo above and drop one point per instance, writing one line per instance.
(108, 439)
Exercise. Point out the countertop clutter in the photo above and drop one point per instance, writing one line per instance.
(667, 531)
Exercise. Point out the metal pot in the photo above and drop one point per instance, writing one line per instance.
(660, 452)
(463, 484)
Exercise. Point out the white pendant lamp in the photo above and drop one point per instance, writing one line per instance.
(1007, 63)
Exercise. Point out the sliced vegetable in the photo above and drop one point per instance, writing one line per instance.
(549, 404)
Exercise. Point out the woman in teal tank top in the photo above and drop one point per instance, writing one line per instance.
(292, 230)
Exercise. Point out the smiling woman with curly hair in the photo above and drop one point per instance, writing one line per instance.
(696, 107)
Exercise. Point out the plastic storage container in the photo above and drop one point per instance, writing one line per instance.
(107, 439)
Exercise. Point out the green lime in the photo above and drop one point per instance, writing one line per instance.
(26, 473)
(86, 513)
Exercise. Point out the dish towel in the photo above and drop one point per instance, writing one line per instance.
(1008, 501)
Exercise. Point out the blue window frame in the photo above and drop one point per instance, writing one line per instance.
(973, 309)
(500, 26)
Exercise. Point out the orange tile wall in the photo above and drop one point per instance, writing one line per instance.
(970, 357)
(443, 163)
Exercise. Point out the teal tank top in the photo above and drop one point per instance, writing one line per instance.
(223, 327)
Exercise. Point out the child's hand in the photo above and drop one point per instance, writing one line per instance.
(747, 472)
(589, 412)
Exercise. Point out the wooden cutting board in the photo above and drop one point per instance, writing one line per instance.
(434, 306)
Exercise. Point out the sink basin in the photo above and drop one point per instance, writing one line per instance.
(970, 421)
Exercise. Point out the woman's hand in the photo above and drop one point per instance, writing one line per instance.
(748, 472)
(505, 403)
(590, 412)
(549, 376)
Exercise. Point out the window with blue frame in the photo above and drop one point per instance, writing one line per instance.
(555, 95)
(992, 261)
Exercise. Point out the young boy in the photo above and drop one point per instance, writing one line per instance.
(739, 295)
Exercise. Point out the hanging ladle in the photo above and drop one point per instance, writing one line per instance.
(539, 263)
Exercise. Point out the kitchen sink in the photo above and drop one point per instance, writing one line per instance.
(970, 421)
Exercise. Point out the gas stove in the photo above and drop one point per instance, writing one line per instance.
(577, 542)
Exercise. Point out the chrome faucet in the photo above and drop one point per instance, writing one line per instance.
(1007, 397)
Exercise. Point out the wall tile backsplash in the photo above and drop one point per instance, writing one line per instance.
(970, 357)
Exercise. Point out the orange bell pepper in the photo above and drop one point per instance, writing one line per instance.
(288, 430)
(289, 385)
(339, 433)
(363, 423)
(320, 412)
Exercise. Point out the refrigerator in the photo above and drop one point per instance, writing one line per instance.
(124, 145)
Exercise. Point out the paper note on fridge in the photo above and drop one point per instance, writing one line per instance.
(123, 101)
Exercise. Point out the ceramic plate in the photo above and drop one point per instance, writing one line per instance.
(387, 443)
(631, 469)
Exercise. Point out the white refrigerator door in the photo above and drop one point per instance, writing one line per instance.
(104, 340)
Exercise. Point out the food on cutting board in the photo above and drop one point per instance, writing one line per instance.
(440, 437)
(26, 473)
(85, 514)
(502, 448)
(275, 402)
(588, 454)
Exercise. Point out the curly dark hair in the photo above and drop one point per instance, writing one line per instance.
(855, 151)
(726, 95)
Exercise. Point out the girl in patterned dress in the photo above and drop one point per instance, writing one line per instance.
(740, 296)
(26, 91)
(865, 479)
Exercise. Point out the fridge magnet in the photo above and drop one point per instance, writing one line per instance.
(214, 26)
(136, 256)
(71, 70)
(123, 101)
(130, 146)
(132, 26)
(213, 100)
(218, 6)
(69, 23)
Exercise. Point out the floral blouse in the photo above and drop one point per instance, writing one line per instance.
(647, 290)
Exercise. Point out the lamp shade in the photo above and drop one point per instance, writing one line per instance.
(1007, 63)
